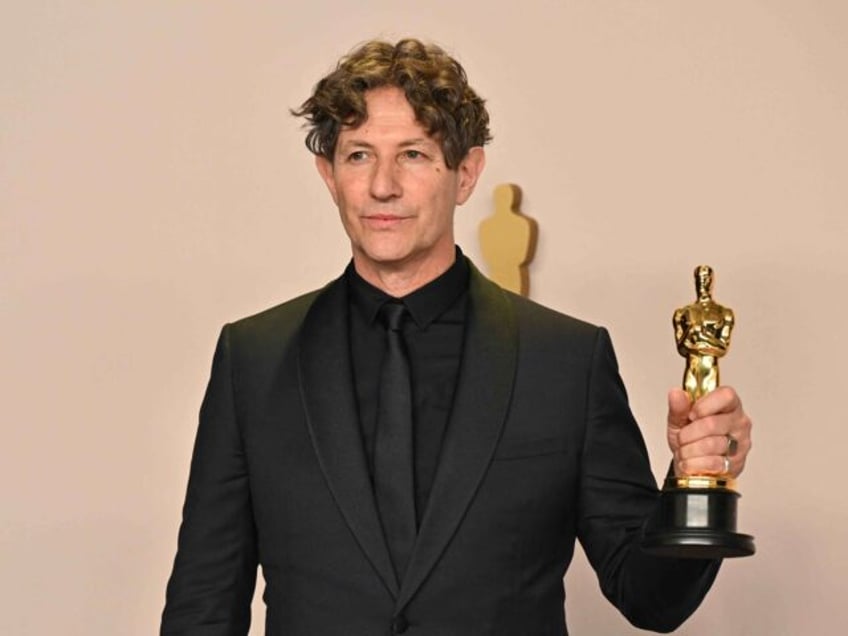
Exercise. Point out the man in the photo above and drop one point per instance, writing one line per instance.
(428, 475)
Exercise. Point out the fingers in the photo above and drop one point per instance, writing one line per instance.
(710, 426)
(714, 445)
(706, 456)
(700, 447)
(710, 465)
(679, 407)
(717, 413)
(723, 400)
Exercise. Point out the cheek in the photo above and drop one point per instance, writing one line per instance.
(346, 200)
(445, 200)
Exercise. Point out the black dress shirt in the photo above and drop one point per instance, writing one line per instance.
(433, 337)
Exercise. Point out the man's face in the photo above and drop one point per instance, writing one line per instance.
(395, 195)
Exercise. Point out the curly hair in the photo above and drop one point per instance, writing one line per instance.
(434, 84)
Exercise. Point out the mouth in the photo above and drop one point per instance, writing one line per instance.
(383, 221)
(384, 217)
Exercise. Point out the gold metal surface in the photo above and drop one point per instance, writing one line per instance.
(702, 331)
(702, 481)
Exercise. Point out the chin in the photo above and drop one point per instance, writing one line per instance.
(386, 254)
(388, 259)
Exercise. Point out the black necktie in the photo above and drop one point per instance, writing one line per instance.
(393, 454)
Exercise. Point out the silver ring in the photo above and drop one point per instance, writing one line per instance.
(732, 446)
(726, 465)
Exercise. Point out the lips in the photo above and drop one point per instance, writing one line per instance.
(385, 217)
(384, 221)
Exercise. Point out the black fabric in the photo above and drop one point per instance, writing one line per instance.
(433, 338)
(541, 450)
(393, 456)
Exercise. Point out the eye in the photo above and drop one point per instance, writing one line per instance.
(413, 154)
(357, 156)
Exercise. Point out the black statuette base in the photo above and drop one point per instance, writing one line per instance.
(697, 523)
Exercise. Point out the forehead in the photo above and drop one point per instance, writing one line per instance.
(388, 101)
(390, 118)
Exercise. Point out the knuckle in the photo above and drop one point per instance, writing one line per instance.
(726, 396)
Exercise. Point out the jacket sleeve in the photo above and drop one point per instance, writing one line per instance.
(212, 583)
(618, 496)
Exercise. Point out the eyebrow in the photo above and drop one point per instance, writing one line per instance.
(358, 143)
(416, 141)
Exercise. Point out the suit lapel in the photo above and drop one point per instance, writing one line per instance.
(326, 383)
(480, 407)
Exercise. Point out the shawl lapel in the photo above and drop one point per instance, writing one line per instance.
(326, 384)
(481, 402)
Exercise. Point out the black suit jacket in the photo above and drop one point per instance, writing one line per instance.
(541, 448)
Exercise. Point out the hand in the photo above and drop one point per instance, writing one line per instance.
(699, 435)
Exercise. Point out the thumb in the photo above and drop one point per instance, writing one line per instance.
(678, 408)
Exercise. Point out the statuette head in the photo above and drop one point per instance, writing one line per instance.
(704, 281)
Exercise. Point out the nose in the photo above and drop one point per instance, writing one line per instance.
(385, 182)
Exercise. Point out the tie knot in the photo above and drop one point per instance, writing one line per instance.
(392, 315)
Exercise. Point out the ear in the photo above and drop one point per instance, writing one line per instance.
(325, 169)
(469, 170)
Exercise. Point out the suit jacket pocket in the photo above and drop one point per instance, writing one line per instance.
(518, 448)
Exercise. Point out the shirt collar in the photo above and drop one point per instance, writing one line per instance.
(425, 304)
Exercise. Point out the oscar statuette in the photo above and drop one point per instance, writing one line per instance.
(697, 513)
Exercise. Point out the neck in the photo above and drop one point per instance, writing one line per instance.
(401, 279)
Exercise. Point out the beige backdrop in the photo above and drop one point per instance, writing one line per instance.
(152, 187)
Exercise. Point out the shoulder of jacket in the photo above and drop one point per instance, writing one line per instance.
(279, 321)
(537, 316)
(529, 312)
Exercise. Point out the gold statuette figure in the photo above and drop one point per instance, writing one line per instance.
(508, 241)
(702, 331)
(697, 513)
